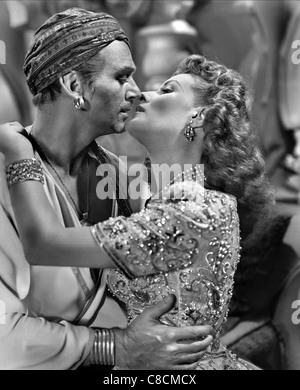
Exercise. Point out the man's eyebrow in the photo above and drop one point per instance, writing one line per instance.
(173, 81)
(126, 69)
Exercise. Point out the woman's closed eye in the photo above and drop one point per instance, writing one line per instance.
(165, 90)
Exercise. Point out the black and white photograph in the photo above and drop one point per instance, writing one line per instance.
(149, 188)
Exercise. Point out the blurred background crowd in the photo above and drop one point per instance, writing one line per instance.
(258, 38)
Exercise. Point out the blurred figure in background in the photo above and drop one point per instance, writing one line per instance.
(18, 20)
(289, 93)
(15, 101)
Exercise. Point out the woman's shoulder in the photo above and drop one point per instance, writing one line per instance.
(198, 207)
(196, 192)
(221, 196)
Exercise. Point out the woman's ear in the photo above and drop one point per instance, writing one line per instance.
(198, 117)
(71, 85)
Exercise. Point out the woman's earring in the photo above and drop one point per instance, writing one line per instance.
(189, 132)
(79, 103)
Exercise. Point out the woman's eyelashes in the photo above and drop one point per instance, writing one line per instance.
(165, 90)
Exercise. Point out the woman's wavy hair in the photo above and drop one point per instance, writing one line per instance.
(231, 156)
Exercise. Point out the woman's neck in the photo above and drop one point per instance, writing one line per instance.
(165, 167)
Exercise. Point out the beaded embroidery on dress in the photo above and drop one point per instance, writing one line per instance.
(188, 247)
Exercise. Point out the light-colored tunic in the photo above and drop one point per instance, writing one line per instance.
(45, 311)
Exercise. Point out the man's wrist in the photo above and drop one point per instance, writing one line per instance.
(122, 350)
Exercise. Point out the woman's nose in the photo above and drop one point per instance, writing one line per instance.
(146, 96)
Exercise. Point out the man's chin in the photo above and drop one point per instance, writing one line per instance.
(120, 131)
(119, 128)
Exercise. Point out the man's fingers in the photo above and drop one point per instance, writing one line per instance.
(192, 366)
(191, 332)
(192, 358)
(160, 308)
(187, 360)
(195, 347)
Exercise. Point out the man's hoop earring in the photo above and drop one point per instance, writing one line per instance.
(79, 103)
(189, 132)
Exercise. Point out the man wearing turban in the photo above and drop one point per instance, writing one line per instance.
(79, 69)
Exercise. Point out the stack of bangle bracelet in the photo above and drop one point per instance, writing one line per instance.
(24, 170)
(103, 351)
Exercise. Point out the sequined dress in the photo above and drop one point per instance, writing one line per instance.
(187, 245)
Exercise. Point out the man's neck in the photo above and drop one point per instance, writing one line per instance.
(62, 142)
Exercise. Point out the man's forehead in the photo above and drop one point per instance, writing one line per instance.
(118, 57)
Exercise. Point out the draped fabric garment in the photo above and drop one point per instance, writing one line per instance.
(188, 247)
(43, 309)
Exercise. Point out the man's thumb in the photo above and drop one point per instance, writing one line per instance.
(161, 307)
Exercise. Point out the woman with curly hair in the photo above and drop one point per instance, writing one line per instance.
(187, 239)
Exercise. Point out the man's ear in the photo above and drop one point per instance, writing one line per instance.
(198, 117)
(71, 84)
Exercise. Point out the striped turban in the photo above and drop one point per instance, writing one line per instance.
(66, 41)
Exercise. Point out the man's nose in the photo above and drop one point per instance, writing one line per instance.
(133, 91)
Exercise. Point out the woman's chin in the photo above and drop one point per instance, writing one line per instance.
(136, 133)
(132, 130)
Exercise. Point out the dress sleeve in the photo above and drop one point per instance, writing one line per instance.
(164, 237)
